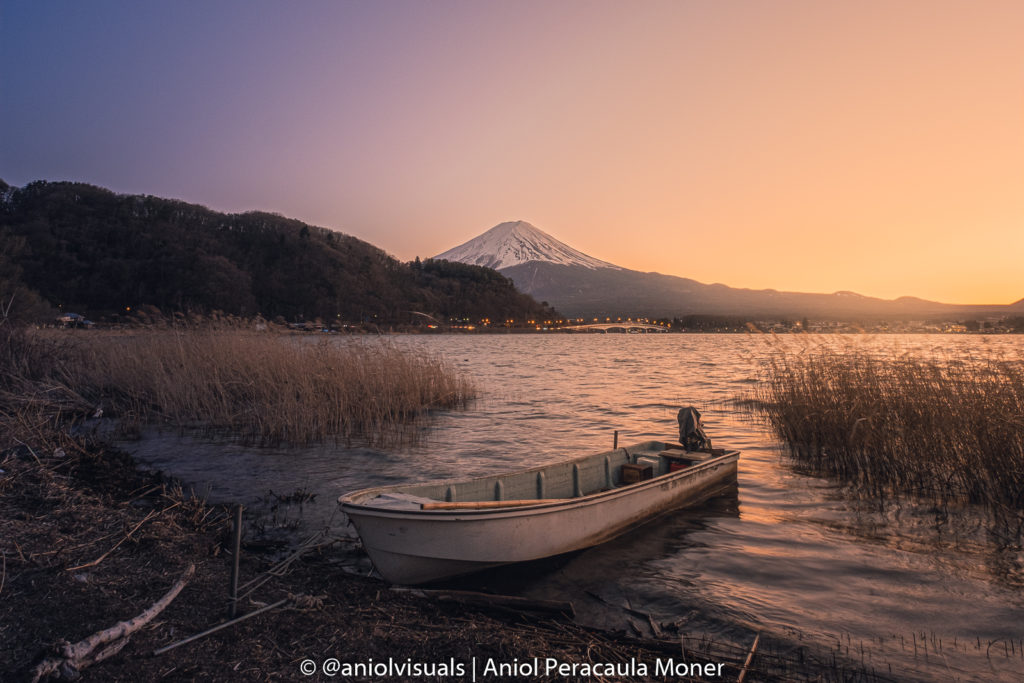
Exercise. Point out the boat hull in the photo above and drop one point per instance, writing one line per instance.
(421, 546)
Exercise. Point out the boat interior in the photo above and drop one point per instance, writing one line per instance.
(573, 478)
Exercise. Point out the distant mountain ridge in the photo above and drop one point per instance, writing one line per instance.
(86, 249)
(582, 286)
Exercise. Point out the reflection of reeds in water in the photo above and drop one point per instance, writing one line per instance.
(261, 387)
(951, 425)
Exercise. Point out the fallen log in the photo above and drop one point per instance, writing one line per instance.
(73, 658)
(501, 602)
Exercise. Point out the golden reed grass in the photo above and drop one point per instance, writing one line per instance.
(951, 425)
(260, 387)
(35, 401)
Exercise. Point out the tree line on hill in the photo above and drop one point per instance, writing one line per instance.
(82, 248)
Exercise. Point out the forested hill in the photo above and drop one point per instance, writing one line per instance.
(92, 251)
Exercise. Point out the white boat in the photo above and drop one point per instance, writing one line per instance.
(418, 533)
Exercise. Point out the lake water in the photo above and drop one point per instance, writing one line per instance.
(903, 585)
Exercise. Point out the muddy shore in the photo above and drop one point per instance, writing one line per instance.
(89, 539)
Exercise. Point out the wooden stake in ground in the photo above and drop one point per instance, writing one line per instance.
(73, 658)
(750, 658)
(237, 551)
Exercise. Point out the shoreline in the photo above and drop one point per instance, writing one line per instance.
(90, 539)
(840, 328)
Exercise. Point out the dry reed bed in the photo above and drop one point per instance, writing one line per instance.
(33, 402)
(261, 387)
(949, 425)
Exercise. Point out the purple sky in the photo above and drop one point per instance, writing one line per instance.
(870, 146)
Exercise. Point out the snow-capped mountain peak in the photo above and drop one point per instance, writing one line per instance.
(515, 242)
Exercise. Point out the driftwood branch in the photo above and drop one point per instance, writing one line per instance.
(73, 658)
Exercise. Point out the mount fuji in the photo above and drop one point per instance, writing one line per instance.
(517, 242)
(581, 285)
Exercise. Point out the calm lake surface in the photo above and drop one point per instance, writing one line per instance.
(902, 585)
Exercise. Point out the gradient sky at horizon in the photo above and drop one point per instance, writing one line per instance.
(807, 146)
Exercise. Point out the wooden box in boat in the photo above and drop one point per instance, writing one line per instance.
(529, 514)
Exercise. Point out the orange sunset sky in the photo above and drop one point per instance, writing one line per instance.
(808, 146)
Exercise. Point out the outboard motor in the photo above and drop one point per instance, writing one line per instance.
(691, 432)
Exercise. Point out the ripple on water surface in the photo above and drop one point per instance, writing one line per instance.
(786, 552)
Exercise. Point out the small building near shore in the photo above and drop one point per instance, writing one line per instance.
(74, 320)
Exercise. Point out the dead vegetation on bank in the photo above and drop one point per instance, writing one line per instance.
(262, 388)
(949, 425)
(88, 541)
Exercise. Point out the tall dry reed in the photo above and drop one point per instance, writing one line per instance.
(951, 425)
(34, 401)
(262, 387)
